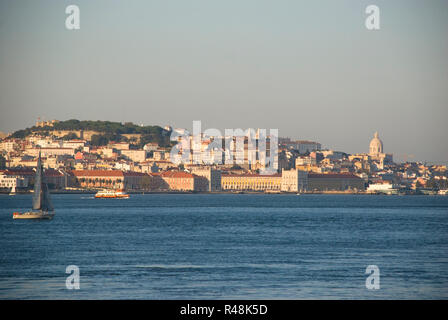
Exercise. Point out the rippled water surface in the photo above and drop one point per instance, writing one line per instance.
(227, 246)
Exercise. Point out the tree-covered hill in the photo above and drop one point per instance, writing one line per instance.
(108, 131)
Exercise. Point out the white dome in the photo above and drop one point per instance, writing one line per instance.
(376, 145)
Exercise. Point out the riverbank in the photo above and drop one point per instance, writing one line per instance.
(231, 192)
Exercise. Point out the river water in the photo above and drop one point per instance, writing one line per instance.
(227, 246)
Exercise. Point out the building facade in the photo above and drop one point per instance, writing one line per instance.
(134, 155)
(213, 177)
(183, 181)
(294, 180)
(251, 182)
(335, 182)
(107, 179)
(9, 180)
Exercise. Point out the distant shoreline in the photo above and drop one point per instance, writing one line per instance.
(227, 192)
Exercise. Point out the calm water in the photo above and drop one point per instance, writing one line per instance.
(227, 247)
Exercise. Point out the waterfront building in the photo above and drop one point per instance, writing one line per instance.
(335, 182)
(134, 180)
(183, 181)
(294, 180)
(56, 179)
(251, 182)
(13, 180)
(109, 179)
(213, 177)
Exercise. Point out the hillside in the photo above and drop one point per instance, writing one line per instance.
(107, 131)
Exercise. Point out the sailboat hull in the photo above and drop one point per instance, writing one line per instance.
(33, 215)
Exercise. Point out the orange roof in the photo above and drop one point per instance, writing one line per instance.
(253, 175)
(333, 175)
(18, 172)
(97, 173)
(51, 148)
(154, 174)
(177, 174)
(52, 173)
(134, 174)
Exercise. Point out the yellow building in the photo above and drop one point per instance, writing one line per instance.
(251, 182)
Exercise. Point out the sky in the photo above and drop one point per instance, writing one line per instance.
(310, 69)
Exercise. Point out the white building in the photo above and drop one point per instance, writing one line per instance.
(12, 181)
(376, 151)
(294, 180)
(8, 145)
(45, 152)
(134, 155)
(74, 144)
(48, 143)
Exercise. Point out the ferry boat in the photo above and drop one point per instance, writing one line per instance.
(113, 194)
(42, 206)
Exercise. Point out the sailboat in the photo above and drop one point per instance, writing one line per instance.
(13, 191)
(42, 206)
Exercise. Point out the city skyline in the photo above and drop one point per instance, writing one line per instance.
(314, 74)
(398, 157)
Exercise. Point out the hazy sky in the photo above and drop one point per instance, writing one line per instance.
(309, 68)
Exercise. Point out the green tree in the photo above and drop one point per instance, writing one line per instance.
(70, 136)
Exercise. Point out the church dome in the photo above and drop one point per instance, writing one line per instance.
(376, 145)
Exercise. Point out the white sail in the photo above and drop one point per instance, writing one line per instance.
(41, 196)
